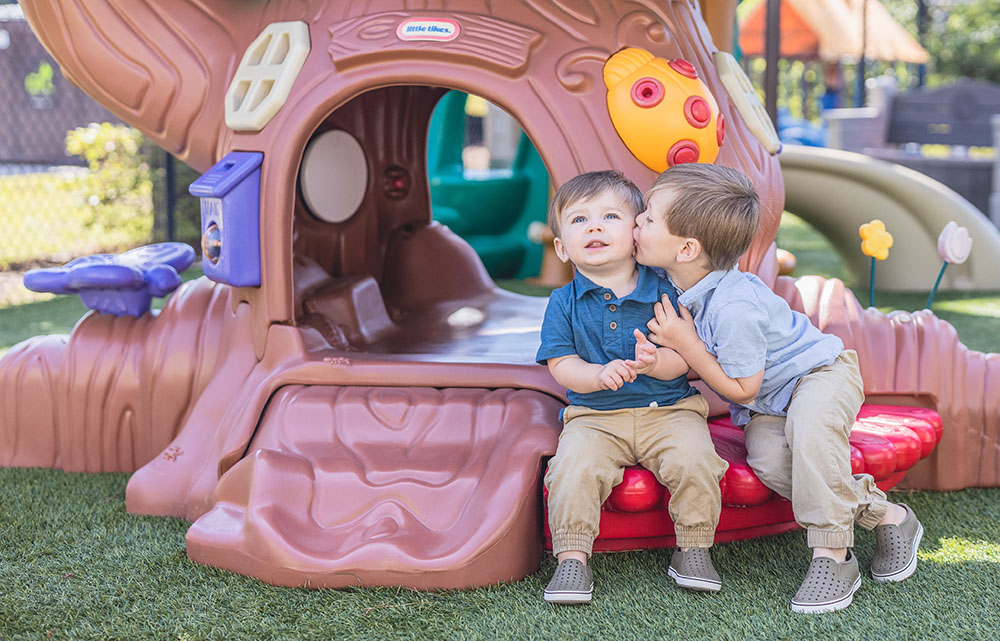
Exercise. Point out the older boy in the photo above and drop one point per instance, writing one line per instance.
(795, 390)
(624, 410)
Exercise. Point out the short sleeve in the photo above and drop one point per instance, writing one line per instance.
(557, 331)
(738, 339)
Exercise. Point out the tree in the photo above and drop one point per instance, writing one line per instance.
(963, 37)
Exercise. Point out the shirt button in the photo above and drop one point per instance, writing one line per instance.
(613, 325)
(654, 404)
(612, 308)
(607, 295)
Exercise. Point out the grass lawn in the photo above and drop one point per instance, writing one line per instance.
(74, 565)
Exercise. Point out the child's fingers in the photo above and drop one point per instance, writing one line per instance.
(667, 305)
(685, 314)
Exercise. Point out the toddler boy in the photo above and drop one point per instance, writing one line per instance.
(630, 403)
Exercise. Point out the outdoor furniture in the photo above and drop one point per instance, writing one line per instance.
(957, 115)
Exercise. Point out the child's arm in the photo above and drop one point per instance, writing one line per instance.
(679, 333)
(658, 362)
(576, 374)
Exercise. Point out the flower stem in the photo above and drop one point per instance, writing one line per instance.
(871, 286)
(930, 299)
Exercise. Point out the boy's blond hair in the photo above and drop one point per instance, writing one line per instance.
(717, 205)
(587, 186)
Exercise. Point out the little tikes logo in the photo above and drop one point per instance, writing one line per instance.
(428, 29)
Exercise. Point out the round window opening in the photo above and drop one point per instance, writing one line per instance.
(334, 176)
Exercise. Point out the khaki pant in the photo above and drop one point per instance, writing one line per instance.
(595, 446)
(805, 457)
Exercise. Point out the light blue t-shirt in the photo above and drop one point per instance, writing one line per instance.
(749, 328)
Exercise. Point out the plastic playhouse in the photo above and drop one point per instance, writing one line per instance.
(346, 397)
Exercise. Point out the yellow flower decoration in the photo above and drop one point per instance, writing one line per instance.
(875, 240)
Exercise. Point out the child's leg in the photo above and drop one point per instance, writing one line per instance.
(589, 462)
(813, 466)
(675, 445)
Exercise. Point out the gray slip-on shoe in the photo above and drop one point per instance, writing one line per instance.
(693, 570)
(895, 555)
(829, 586)
(572, 583)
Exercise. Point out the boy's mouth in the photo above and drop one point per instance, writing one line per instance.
(596, 244)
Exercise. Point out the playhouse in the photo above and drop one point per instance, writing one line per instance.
(347, 398)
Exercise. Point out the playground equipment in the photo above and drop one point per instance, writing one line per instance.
(836, 191)
(491, 209)
(370, 412)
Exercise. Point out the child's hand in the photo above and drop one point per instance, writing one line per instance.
(668, 329)
(645, 354)
(615, 374)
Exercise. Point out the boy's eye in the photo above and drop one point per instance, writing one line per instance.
(612, 215)
(578, 219)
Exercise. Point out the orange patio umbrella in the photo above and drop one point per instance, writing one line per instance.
(830, 30)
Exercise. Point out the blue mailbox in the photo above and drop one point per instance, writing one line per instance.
(230, 219)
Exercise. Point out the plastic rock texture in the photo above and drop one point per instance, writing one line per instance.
(331, 426)
(122, 284)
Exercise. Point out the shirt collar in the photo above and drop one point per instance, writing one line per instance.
(646, 287)
(694, 297)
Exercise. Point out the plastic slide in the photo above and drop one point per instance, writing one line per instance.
(838, 191)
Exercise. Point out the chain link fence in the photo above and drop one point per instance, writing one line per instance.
(74, 180)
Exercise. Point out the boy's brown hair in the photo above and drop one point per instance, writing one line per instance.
(588, 185)
(717, 205)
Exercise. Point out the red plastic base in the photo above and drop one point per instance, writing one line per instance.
(886, 441)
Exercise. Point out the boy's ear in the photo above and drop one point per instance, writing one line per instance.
(557, 243)
(690, 251)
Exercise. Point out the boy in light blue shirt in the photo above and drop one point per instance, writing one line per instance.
(793, 389)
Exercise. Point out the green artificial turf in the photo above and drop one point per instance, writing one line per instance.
(74, 565)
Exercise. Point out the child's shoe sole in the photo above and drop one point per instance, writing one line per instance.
(568, 598)
(694, 583)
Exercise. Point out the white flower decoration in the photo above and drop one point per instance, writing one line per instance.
(954, 243)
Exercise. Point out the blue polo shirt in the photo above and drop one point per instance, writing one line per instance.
(750, 328)
(590, 321)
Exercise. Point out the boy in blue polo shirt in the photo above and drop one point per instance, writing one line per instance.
(795, 390)
(630, 402)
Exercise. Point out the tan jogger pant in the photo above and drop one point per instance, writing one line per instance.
(805, 457)
(595, 446)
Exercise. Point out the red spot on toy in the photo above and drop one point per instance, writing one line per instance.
(697, 112)
(720, 130)
(647, 92)
(639, 491)
(683, 67)
(683, 151)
